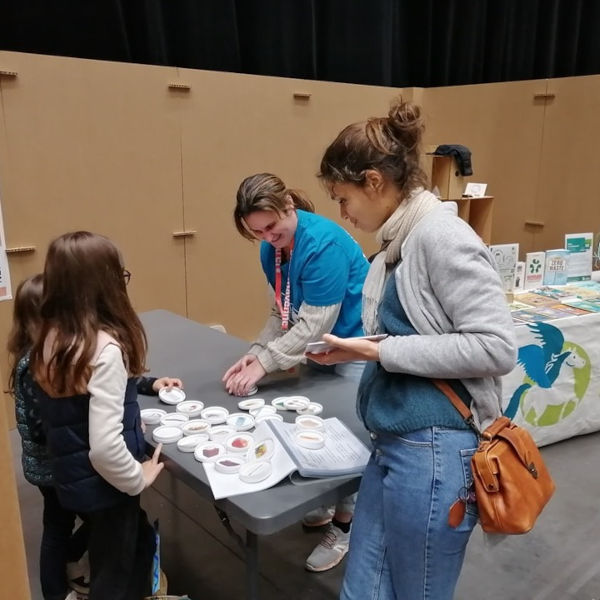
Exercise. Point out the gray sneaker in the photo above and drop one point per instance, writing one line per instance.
(319, 516)
(330, 551)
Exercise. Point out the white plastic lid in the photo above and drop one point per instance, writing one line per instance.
(167, 434)
(209, 451)
(152, 416)
(192, 408)
(314, 408)
(188, 443)
(173, 396)
(279, 403)
(229, 463)
(310, 422)
(239, 442)
(313, 440)
(267, 417)
(251, 403)
(251, 392)
(255, 471)
(174, 419)
(215, 414)
(263, 410)
(220, 433)
(195, 426)
(296, 402)
(240, 421)
(264, 449)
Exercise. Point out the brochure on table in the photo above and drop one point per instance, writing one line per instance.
(534, 269)
(343, 454)
(556, 302)
(506, 257)
(579, 246)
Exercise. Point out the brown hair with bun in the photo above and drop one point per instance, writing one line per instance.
(391, 145)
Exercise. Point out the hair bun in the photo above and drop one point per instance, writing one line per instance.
(405, 124)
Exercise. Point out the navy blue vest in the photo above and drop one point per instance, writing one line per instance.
(78, 486)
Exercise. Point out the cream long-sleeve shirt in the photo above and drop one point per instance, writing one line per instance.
(109, 454)
(276, 349)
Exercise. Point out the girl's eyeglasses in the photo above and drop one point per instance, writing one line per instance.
(126, 276)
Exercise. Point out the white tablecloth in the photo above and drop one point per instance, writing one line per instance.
(554, 391)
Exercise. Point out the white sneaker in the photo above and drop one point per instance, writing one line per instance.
(331, 550)
(319, 516)
(78, 575)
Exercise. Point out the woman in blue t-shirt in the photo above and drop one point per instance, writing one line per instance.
(316, 270)
(318, 283)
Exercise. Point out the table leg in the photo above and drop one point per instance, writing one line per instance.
(251, 566)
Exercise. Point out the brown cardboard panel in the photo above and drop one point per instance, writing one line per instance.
(445, 175)
(236, 125)
(464, 208)
(110, 147)
(13, 566)
(481, 217)
(94, 145)
(568, 182)
(502, 126)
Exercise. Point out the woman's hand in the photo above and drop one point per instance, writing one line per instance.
(166, 382)
(151, 468)
(346, 350)
(241, 382)
(237, 367)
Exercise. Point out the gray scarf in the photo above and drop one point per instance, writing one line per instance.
(391, 236)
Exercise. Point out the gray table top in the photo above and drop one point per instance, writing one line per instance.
(199, 356)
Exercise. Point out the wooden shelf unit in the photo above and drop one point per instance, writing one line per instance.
(476, 211)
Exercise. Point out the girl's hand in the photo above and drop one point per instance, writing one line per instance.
(246, 360)
(346, 350)
(166, 382)
(240, 383)
(151, 468)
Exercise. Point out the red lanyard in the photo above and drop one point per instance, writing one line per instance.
(285, 309)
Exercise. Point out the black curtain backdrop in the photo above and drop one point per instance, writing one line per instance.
(379, 42)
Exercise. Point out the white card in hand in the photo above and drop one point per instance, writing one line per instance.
(320, 347)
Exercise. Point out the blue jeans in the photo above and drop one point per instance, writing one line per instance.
(401, 546)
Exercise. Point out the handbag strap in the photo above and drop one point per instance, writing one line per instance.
(458, 404)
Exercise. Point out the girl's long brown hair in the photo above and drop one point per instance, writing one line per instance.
(265, 191)
(84, 292)
(26, 321)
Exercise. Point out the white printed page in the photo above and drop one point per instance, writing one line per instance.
(224, 485)
(342, 454)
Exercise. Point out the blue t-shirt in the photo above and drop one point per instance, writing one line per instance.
(327, 267)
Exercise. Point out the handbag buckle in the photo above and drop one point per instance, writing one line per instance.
(531, 468)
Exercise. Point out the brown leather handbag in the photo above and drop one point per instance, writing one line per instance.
(512, 484)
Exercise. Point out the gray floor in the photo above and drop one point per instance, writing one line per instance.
(559, 560)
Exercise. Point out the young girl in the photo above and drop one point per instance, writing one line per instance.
(90, 349)
(56, 544)
(434, 290)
